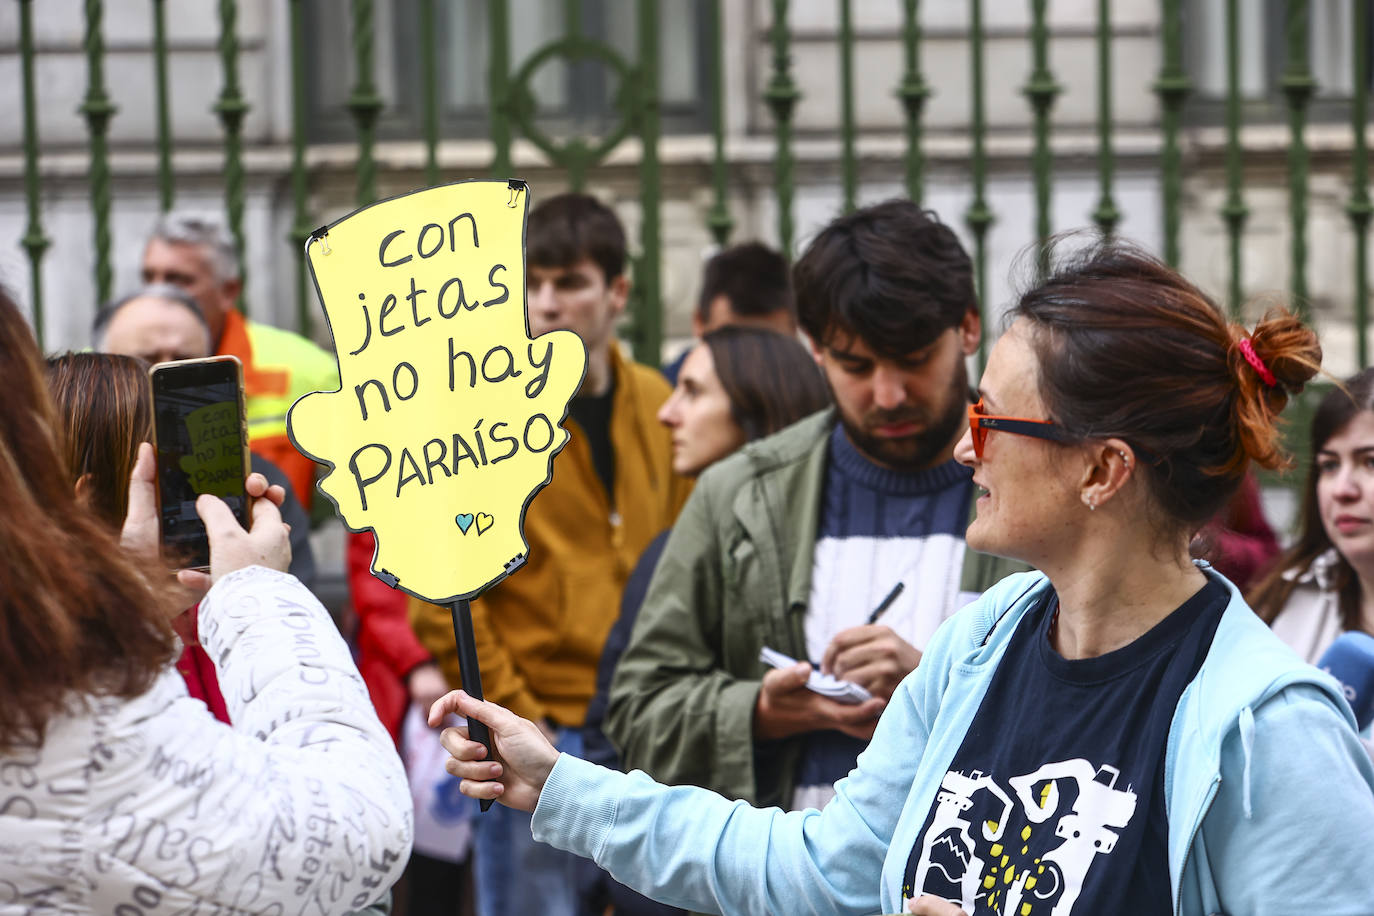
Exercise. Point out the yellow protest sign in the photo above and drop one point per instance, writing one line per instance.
(448, 415)
(215, 462)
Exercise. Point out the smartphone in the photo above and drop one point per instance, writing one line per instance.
(201, 438)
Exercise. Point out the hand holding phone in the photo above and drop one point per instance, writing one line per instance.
(266, 542)
(225, 555)
(202, 448)
(140, 535)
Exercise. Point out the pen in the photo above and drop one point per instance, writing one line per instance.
(886, 602)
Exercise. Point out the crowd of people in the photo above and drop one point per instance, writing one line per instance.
(812, 622)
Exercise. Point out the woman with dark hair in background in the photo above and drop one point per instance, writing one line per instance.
(104, 410)
(743, 384)
(120, 793)
(1323, 585)
(1118, 733)
(737, 385)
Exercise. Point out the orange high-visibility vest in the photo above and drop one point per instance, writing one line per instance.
(278, 367)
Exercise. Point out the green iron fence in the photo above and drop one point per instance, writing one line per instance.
(512, 112)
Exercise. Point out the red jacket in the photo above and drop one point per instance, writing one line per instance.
(387, 647)
(1242, 545)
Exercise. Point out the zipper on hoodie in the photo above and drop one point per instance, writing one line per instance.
(1192, 838)
(617, 530)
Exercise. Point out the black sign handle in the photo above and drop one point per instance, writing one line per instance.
(470, 672)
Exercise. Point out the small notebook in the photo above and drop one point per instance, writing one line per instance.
(825, 684)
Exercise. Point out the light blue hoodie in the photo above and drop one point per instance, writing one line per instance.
(1269, 794)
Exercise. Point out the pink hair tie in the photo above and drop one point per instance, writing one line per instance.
(1248, 351)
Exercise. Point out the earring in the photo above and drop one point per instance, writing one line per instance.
(1124, 457)
(1091, 504)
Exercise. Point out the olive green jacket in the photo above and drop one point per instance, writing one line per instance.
(735, 576)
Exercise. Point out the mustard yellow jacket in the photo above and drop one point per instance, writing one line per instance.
(540, 632)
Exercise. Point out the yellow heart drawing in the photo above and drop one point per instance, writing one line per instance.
(484, 522)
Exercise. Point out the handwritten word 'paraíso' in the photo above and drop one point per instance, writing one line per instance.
(447, 454)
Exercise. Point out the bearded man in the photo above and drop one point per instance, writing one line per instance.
(838, 541)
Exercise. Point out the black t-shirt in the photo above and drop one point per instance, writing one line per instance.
(1054, 802)
(593, 415)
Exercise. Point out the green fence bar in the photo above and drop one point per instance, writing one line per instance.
(1172, 87)
(1041, 89)
(978, 216)
(231, 109)
(1298, 85)
(782, 95)
(649, 321)
(98, 110)
(573, 155)
(1358, 207)
(1234, 211)
(913, 92)
(577, 154)
(364, 102)
(718, 219)
(429, 89)
(1106, 215)
(499, 82)
(300, 223)
(849, 166)
(34, 241)
(165, 190)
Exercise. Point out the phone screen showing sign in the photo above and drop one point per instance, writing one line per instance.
(200, 449)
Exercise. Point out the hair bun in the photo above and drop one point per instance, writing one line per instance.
(1270, 363)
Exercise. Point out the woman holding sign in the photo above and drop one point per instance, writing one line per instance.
(1113, 735)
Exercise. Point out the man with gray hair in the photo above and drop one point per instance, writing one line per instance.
(160, 323)
(197, 255)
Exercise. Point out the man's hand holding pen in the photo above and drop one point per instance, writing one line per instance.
(872, 656)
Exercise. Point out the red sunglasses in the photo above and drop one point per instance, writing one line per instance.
(979, 423)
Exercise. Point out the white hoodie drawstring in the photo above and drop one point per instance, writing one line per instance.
(1247, 743)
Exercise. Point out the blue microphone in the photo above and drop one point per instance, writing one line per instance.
(1350, 660)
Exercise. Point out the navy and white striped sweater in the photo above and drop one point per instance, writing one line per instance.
(879, 527)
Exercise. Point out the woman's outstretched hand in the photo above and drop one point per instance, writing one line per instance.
(524, 757)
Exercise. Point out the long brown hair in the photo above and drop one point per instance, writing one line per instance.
(77, 617)
(1268, 597)
(1129, 349)
(103, 413)
(770, 379)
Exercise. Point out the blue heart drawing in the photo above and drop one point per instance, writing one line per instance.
(464, 521)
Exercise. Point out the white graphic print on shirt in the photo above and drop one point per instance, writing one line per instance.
(998, 864)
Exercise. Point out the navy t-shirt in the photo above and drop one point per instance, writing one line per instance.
(1055, 800)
